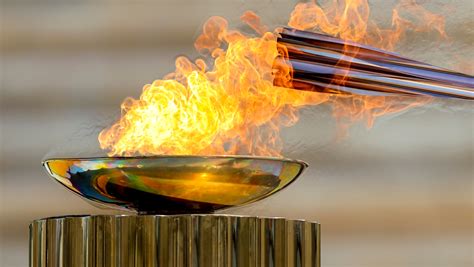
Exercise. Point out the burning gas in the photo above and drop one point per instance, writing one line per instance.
(237, 104)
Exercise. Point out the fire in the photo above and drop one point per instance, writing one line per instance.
(350, 20)
(231, 108)
(237, 104)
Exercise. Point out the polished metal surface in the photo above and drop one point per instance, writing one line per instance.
(178, 240)
(174, 184)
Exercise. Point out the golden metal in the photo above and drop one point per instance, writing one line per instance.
(173, 240)
(175, 184)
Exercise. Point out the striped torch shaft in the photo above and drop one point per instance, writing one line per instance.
(327, 64)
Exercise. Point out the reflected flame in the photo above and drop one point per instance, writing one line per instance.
(237, 104)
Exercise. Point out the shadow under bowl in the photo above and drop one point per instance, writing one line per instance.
(174, 184)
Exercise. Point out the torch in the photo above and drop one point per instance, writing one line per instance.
(323, 63)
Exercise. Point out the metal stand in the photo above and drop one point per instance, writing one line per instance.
(178, 240)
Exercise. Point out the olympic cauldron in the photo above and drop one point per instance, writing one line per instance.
(173, 200)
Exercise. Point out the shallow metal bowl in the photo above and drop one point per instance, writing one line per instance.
(175, 184)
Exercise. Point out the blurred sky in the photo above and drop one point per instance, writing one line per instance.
(399, 194)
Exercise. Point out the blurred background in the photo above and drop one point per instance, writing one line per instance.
(399, 194)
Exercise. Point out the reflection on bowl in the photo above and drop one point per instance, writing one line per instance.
(175, 184)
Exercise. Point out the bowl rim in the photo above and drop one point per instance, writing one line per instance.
(243, 157)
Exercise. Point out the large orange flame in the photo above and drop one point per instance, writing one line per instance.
(235, 105)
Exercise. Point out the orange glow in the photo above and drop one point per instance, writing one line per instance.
(237, 104)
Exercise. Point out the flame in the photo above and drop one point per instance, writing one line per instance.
(237, 104)
(350, 20)
(232, 108)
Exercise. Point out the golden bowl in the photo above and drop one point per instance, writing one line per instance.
(175, 184)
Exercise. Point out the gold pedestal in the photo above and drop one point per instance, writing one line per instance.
(173, 240)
